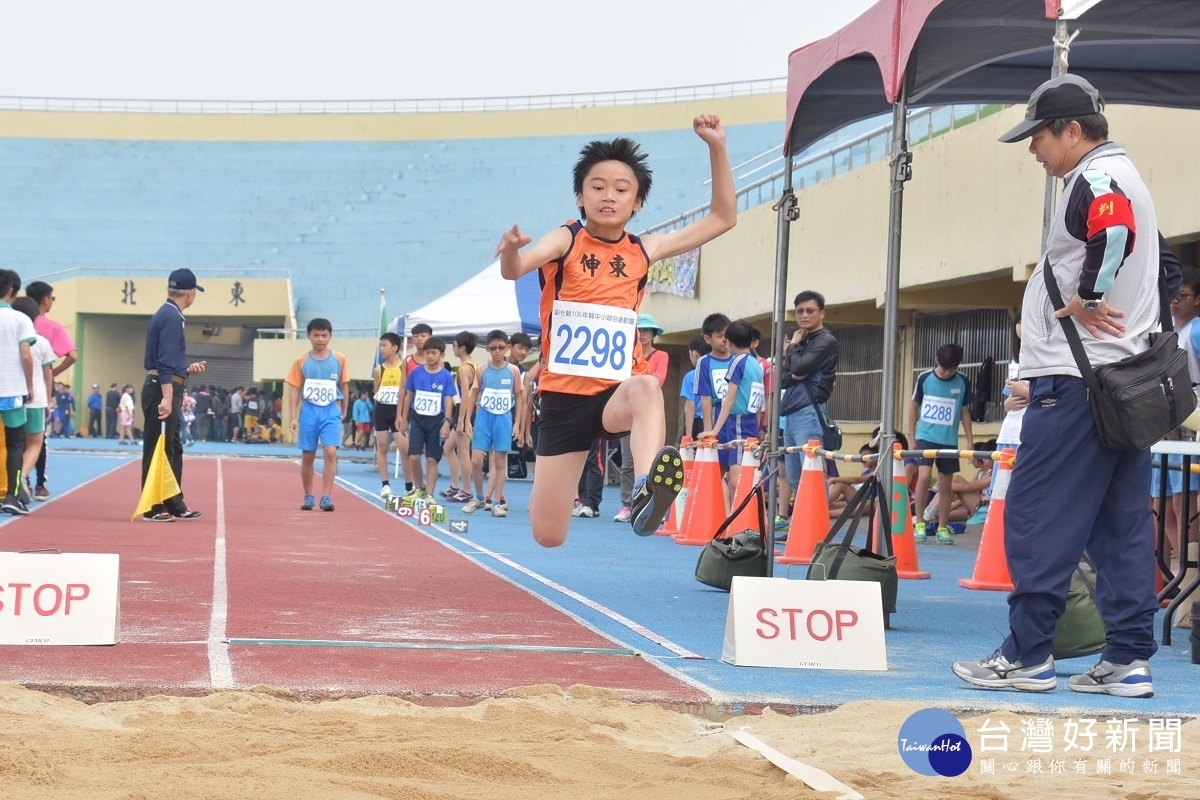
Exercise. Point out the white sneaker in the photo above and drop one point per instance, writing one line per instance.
(500, 509)
(587, 511)
(473, 505)
(487, 503)
(578, 509)
(385, 492)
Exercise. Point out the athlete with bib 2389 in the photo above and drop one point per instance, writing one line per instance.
(595, 383)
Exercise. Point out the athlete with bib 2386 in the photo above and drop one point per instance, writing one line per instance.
(595, 383)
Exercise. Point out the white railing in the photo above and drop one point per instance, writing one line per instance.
(813, 168)
(159, 272)
(675, 94)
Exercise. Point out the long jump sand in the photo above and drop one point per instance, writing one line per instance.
(536, 743)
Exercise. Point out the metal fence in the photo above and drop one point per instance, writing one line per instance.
(858, 393)
(673, 94)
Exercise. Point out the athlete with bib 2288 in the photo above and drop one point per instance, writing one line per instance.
(595, 383)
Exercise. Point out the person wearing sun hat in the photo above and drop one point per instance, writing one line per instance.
(647, 329)
(1105, 255)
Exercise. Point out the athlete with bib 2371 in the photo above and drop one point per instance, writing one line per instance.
(595, 383)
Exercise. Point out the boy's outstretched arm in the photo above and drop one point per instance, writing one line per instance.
(722, 214)
(514, 263)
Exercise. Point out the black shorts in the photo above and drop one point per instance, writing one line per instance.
(425, 435)
(569, 423)
(385, 417)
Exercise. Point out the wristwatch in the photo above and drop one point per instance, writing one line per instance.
(1089, 305)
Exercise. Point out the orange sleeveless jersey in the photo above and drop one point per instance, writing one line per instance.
(592, 271)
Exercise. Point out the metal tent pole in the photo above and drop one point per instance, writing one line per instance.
(901, 173)
(788, 213)
(1062, 48)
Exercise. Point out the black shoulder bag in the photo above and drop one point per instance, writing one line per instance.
(1138, 400)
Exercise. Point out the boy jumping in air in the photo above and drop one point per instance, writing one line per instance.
(595, 383)
(317, 385)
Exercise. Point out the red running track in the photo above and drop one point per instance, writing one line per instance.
(356, 575)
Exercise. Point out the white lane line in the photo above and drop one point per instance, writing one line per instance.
(641, 630)
(220, 670)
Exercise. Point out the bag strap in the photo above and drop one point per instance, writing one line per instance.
(758, 491)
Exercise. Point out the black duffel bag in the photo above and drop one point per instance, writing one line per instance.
(745, 553)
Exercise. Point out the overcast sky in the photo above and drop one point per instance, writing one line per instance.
(396, 49)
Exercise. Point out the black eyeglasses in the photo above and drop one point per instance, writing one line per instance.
(803, 312)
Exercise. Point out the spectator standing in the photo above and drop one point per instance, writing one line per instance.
(95, 403)
(17, 337)
(125, 412)
(237, 407)
(1068, 491)
(112, 399)
(167, 372)
(66, 407)
(188, 427)
(807, 376)
(64, 349)
(36, 410)
(203, 413)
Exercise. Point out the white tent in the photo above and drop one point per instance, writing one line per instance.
(485, 302)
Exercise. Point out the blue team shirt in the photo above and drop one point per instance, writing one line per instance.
(747, 374)
(429, 390)
(500, 400)
(712, 377)
(939, 407)
(687, 390)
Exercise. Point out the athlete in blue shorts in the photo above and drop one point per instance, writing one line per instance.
(425, 409)
(317, 386)
(496, 392)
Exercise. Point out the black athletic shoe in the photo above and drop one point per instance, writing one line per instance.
(654, 494)
(161, 516)
(13, 505)
(186, 514)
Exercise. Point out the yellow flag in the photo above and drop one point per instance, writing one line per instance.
(160, 480)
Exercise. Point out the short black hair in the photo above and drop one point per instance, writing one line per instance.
(739, 333)
(39, 290)
(9, 281)
(1093, 126)
(27, 306)
(434, 343)
(807, 295)
(392, 338)
(521, 338)
(497, 336)
(698, 344)
(714, 323)
(620, 149)
(466, 340)
(319, 324)
(421, 327)
(949, 356)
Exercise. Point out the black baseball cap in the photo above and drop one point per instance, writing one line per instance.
(1058, 98)
(183, 279)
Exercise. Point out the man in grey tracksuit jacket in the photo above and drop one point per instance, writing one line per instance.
(1068, 491)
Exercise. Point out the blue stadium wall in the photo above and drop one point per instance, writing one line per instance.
(415, 215)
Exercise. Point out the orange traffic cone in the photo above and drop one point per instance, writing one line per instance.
(671, 526)
(749, 519)
(903, 545)
(991, 565)
(706, 498)
(810, 514)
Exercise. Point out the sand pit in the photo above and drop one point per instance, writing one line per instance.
(538, 743)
